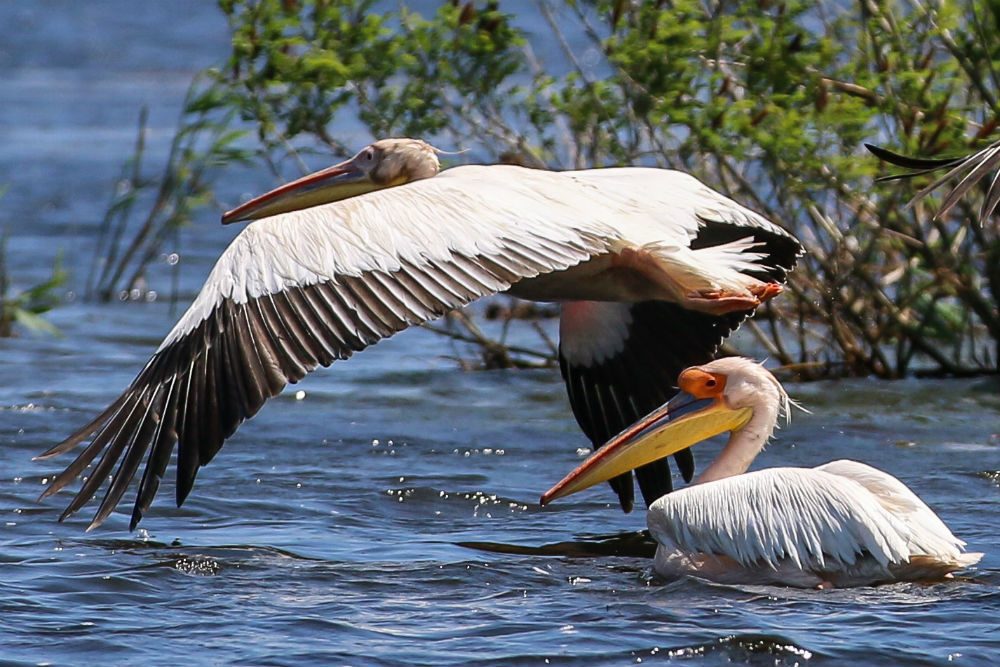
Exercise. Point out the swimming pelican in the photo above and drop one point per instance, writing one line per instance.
(841, 524)
(653, 268)
(973, 168)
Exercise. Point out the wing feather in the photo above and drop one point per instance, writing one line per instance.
(926, 533)
(972, 169)
(816, 519)
(301, 290)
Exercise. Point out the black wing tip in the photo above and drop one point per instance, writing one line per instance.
(909, 162)
(882, 153)
(64, 446)
(136, 517)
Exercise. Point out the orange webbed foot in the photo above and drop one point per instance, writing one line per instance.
(765, 291)
(721, 302)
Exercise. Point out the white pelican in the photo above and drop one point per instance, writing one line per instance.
(841, 524)
(653, 267)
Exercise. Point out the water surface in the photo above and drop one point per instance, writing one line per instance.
(388, 515)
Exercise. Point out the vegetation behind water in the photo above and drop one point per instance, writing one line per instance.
(769, 102)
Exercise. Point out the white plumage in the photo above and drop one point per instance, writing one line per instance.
(823, 521)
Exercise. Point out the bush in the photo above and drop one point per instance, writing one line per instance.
(770, 102)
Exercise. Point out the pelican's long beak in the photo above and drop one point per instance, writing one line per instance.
(340, 181)
(680, 423)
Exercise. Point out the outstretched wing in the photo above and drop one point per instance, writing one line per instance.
(304, 289)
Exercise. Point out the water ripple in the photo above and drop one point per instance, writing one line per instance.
(384, 512)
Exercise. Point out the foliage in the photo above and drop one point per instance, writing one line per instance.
(204, 142)
(768, 101)
(27, 307)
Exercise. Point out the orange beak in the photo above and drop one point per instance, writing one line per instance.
(683, 421)
(340, 181)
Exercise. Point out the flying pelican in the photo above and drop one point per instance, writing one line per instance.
(972, 168)
(653, 268)
(841, 524)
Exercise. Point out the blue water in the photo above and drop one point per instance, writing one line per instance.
(387, 515)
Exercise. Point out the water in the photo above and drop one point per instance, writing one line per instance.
(388, 516)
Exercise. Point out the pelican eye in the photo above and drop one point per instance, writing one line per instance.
(701, 384)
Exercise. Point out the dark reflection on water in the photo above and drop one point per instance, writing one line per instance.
(388, 515)
(633, 545)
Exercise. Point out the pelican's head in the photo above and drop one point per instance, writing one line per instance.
(725, 395)
(383, 164)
